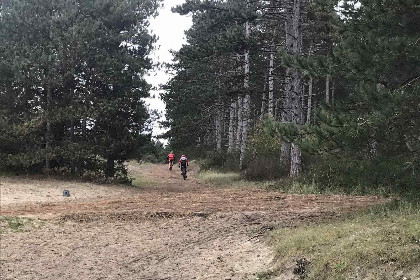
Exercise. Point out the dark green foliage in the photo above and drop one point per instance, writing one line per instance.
(370, 137)
(264, 149)
(152, 151)
(264, 168)
(367, 139)
(76, 67)
(208, 71)
(373, 135)
(220, 161)
(357, 176)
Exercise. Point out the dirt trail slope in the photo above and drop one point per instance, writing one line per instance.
(173, 229)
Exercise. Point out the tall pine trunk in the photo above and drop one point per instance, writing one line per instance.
(48, 133)
(286, 112)
(72, 163)
(297, 110)
(219, 128)
(239, 116)
(231, 137)
(246, 102)
(271, 84)
(48, 110)
(294, 82)
(309, 111)
(264, 100)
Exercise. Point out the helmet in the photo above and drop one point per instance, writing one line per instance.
(183, 156)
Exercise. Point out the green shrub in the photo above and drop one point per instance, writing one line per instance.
(264, 168)
(360, 176)
(263, 162)
(221, 161)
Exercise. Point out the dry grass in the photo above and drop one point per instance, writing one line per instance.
(381, 245)
(141, 182)
(219, 178)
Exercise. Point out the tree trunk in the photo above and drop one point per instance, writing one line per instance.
(309, 111)
(110, 168)
(286, 112)
(302, 100)
(271, 85)
(264, 100)
(295, 164)
(296, 161)
(293, 110)
(232, 112)
(296, 94)
(332, 91)
(72, 163)
(239, 126)
(219, 128)
(327, 89)
(48, 133)
(246, 103)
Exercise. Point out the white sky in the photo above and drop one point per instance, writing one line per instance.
(170, 28)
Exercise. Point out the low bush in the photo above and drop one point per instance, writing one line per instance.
(221, 161)
(264, 168)
(360, 176)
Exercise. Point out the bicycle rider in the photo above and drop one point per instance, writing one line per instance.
(183, 162)
(171, 158)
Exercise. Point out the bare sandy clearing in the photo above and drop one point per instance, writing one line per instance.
(174, 229)
(17, 190)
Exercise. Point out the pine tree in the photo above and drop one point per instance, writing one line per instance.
(75, 72)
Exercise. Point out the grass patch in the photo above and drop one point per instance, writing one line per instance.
(18, 224)
(235, 179)
(141, 182)
(381, 244)
(266, 275)
(219, 178)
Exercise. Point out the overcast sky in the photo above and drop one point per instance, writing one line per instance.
(169, 28)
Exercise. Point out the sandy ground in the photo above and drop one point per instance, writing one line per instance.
(174, 229)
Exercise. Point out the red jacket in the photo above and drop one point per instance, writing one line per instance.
(171, 156)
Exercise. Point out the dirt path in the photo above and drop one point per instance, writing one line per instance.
(172, 229)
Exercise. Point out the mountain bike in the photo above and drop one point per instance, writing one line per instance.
(184, 172)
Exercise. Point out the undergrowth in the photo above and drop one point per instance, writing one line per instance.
(383, 243)
(219, 178)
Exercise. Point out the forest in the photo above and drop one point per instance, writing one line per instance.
(323, 91)
(300, 120)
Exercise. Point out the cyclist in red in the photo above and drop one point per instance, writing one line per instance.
(171, 158)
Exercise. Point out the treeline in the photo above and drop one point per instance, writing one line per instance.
(71, 83)
(325, 90)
